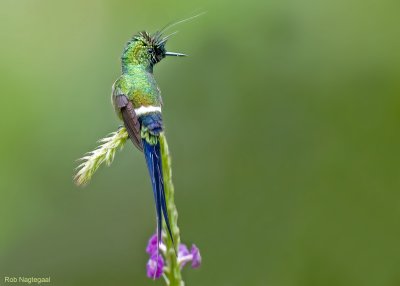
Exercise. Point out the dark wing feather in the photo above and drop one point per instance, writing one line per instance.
(130, 119)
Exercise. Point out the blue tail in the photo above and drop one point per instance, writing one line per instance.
(154, 165)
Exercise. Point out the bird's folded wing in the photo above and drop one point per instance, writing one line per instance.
(130, 119)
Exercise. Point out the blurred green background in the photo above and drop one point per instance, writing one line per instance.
(283, 126)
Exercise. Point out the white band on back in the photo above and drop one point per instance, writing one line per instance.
(147, 109)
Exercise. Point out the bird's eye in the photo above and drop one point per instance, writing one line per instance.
(150, 51)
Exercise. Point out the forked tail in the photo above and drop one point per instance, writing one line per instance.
(154, 165)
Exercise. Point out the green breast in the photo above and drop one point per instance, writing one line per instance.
(142, 88)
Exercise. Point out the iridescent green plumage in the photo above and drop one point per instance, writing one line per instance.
(137, 81)
(137, 101)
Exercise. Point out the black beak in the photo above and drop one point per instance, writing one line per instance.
(175, 54)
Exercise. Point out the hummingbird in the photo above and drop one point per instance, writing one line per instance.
(137, 101)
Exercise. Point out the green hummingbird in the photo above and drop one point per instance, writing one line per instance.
(137, 101)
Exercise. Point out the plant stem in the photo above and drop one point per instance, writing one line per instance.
(174, 271)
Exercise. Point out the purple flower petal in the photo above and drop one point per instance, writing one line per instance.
(155, 266)
(182, 252)
(196, 260)
(152, 245)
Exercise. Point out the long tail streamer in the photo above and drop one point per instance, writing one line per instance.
(154, 165)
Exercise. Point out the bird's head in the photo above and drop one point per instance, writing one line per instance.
(146, 49)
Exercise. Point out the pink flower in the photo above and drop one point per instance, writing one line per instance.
(196, 257)
(184, 256)
(155, 266)
(152, 245)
